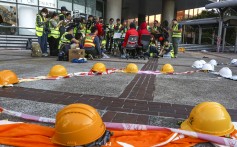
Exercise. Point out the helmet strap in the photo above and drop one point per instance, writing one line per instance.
(101, 141)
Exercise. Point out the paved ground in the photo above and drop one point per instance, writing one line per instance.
(161, 100)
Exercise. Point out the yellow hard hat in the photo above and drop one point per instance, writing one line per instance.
(8, 77)
(99, 68)
(209, 118)
(58, 70)
(78, 124)
(182, 49)
(167, 68)
(131, 68)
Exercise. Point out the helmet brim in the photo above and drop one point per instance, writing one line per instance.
(185, 126)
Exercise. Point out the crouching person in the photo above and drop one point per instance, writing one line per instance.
(92, 44)
(167, 50)
(67, 42)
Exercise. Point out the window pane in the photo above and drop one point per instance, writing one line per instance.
(30, 2)
(8, 14)
(99, 9)
(79, 5)
(27, 18)
(66, 3)
(91, 7)
(48, 3)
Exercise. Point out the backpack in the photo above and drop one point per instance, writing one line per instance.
(36, 50)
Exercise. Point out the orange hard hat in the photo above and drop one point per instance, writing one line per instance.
(78, 124)
(8, 77)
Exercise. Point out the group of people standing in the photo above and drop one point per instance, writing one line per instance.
(61, 29)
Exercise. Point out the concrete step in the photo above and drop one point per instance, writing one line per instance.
(197, 47)
(15, 41)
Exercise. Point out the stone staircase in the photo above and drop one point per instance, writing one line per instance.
(209, 48)
(15, 41)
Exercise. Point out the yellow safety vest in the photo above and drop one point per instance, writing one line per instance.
(89, 41)
(83, 30)
(63, 40)
(148, 28)
(111, 30)
(53, 31)
(39, 29)
(176, 34)
(124, 30)
(117, 27)
(171, 52)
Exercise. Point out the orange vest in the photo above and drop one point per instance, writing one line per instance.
(150, 139)
(28, 135)
(89, 41)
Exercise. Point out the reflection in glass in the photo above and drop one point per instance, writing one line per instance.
(79, 5)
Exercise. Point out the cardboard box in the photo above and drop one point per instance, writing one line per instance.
(76, 54)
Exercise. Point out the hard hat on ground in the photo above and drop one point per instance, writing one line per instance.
(213, 62)
(58, 70)
(197, 64)
(99, 68)
(233, 61)
(209, 118)
(79, 124)
(225, 72)
(167, 68)
(182, 49)
(131, 68)
(8, 77)
(208, 67)
(203, 62)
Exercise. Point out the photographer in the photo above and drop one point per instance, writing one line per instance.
(82, 26)
(100, 27)
(41, 30)
(90, 23)
(62, 16)
(53, 36)
(165, 31)
(109, 35)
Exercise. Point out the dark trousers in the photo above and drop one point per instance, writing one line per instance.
(62, 30)
(109, 43)
(53, 46)
(92, 51)
(43, 42)
(121, 49)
